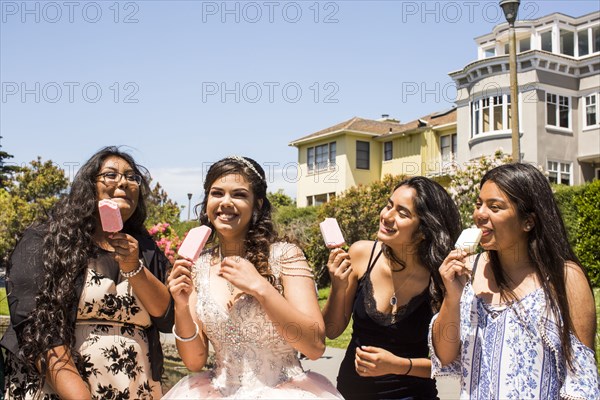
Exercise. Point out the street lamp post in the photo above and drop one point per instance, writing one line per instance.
(189, 204)
(511, 8)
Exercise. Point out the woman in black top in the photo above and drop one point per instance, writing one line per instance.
(86, 305)
(391, 288)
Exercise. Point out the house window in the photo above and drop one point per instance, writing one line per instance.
(362, 155)
(310, 159)
(559, 172)
(567, 42)
(309, 201)
(547, 41)
(591, 110)
(387, 150)
(321, 157)
(448, 148)
(490, 52)
(583, 45)
(490, 114)
(557, 111)
(525, 44)
(320, 199)
(596, 39)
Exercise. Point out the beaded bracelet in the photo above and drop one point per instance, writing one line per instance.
(133, 273)
(409, 366)
(194, 336)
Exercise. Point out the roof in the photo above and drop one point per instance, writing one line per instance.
(432, 120)
(356, 124)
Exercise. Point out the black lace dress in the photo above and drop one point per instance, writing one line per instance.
(403, 334)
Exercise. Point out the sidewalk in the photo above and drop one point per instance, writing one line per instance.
(329, 364)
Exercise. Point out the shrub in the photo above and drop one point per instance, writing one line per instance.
(587, 240)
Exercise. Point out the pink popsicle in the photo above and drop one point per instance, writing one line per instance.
(194, 242)
(110, 216)
(331, 233)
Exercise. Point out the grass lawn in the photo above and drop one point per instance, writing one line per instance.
(341, 342)
(3, 302)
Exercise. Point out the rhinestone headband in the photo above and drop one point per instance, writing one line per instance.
(247, 164)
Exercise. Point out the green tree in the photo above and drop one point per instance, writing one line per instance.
(33, 192)
(6, 171)
(161, 208)
(280, 199)
(357, 212)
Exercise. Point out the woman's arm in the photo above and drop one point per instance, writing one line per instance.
(375, 361)
(194, 348)
(446, 327)
(295, 315)
(581, 304)
(153, 294)
(63, 376)
(344, 281)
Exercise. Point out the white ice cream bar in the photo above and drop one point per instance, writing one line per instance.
(194, 242)
(468, 240)
(331, 233)
(110, 216)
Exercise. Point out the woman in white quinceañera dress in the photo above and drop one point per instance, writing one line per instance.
(251, 295)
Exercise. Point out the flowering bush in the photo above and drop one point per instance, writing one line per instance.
(166, 238)
(464, 184)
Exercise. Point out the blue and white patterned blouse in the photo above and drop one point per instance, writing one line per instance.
(514, 352)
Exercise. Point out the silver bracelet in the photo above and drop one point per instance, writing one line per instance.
(194, 336)
(133, 273)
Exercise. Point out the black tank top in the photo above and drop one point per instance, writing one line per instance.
(403, 334)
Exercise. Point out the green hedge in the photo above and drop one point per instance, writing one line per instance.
(587, 239)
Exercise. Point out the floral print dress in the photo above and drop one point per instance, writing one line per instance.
(514, 352)
(111, 338)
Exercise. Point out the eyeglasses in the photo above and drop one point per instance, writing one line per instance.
(113, 178)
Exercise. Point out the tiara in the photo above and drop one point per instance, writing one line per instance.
(246, 163)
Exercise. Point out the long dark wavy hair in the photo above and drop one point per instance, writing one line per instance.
(547, 245)
(261, 232)
(68, 247)
(439, 226)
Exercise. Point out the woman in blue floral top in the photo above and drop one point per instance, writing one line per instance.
(518, 320)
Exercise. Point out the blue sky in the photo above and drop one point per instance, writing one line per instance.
(185, 83)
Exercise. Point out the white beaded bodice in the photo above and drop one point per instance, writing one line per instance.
(249, 351)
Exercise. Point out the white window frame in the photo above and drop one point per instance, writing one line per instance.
(558, 104)
(584, 108)
(590, 38)
(446, 163)
(312, 168)
(575, 44)
(478, 106)
(552, 44)
(559, 170)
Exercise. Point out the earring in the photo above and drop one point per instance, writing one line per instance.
(528, 227)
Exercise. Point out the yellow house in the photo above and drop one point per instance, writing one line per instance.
(360, 151)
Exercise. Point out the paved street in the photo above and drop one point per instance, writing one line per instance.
(328, 366)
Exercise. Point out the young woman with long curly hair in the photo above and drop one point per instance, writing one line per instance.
(85, 304)
(250, 294)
